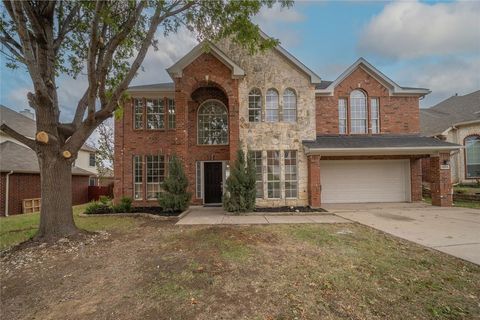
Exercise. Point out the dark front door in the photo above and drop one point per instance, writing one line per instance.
(213, 182)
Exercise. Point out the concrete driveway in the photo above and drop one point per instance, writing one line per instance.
(455, 231)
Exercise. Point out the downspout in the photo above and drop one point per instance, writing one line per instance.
(7, 180)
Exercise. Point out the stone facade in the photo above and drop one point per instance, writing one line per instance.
(458, 136)
(271, 70)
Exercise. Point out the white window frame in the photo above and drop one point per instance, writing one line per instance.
(172, 118)
(255, 106)
(291, 170)
(136, 171)
(199, 115)
(279, 174)
(258, 174)
(468, 140)
(358, 99)
(289, 105)
(342, 116)
(154, 173)
(374, 115)
(155, 116)
(272, 108)
(138, 108)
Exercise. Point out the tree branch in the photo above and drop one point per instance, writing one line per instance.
(64, 27)
(18, 136)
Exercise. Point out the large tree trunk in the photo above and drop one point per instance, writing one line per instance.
(56, 215)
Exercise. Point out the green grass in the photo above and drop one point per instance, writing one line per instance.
(460, 204)
(19, 228)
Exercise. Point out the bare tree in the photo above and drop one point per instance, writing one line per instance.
(108, 40)
(105, 148)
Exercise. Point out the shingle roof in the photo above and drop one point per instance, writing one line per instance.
(17, 158)
(380, 141)
(323, 85)
(25, 125)
(165, 86)
(452, 111)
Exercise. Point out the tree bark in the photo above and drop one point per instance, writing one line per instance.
(56, 215)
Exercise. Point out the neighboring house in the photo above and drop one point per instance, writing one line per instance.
(355, 139)
(457, 120)
(19, 171)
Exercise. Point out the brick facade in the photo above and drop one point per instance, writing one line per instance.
(397, 114)
(441, 186)
(27, 186)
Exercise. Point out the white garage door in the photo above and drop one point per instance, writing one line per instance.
(351, 181)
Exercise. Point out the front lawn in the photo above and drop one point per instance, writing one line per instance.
(458, 203)
(18, 228)
(155, 270)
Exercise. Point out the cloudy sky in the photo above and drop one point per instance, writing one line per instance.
(435, 45)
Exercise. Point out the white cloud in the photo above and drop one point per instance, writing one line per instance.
(445, 78)
(18, 98)
(410, 29)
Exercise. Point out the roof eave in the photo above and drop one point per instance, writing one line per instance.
(378, 151)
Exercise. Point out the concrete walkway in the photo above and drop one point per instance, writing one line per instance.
(455, 231)
(214, 215)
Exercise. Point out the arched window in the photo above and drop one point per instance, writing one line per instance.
(271, 107)
(289, 105)
(472, 157)
(255, 105)
(358, 112)
(212, 123)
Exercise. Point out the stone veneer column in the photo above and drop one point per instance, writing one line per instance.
(416, 179)
(314, 185)
(441, 186)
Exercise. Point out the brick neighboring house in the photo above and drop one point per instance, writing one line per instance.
(456, 120)
(19, 167)
(355, 139)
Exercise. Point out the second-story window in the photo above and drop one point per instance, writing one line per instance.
(255, 106)
(358, 112)
(271, 107)
(289, 105)
(171, 113)
(155, 113)
(212, 123)
(138, 113)
(374, 116)
(91, 160)
(342, 116)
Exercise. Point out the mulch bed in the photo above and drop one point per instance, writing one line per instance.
(156, 211)
(289, 209)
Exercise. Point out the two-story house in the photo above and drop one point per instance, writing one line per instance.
(355, 139)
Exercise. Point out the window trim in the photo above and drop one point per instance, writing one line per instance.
(165, 115)
(94, 159)
(168, 115)
(134, 114)
(162, 159)
(285, 173)
(346, 115)
(262, 180)
(366, 112)
(370, 112)
(279, 175)
(284, 104)
(142, 184)
(198, 128)
(465, 156)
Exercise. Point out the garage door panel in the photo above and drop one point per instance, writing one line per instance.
(352, 181)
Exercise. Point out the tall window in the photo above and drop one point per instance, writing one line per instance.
(155, 175)
(171, 113)
(137, 177)
(212, 123)
(198, 184)
(155, 113)
(358, 112)
(374, 116)
(273, 174)
(271, 108)
(289, 105)
(91, 159)
(138, 113)
(472, 154)
(342, 116)
(291, 184)
(255, 106)
(257, 159)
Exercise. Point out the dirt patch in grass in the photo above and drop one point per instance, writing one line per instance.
(156, 270)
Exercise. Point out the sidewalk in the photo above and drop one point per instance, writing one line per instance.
(209, 215)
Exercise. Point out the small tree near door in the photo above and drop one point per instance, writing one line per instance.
(240, 187)
(175, 196)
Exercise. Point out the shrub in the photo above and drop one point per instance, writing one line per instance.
(125, 205)
(240, 187)
(97, 207)
(175, 196)
(105, 200)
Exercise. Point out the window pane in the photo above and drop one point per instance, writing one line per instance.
(273, 174)
(289, 106)
(291, 184)
(199, 179)
(374, 115)
(155, 113)
(91, 160)
(358, 112)
(138, 113)
(342, 116)
(271, 108)
(171, 114)
(472, 152)
(212, 123)
(257, 159)
(155, 175)
(255, 106)
(137, 177)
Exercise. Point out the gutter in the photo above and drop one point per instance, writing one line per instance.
(7, 182)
